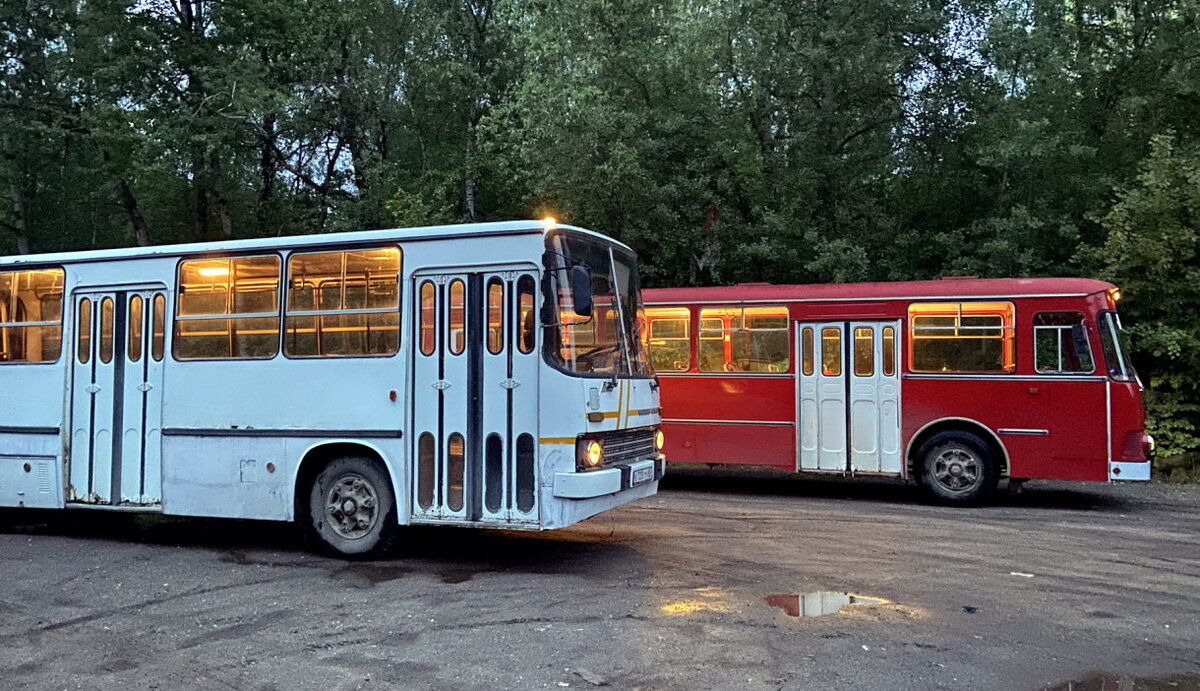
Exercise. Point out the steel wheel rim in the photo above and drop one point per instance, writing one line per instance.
(352, 506)
(958, 470)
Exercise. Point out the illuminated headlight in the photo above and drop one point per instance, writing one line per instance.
(593, 454)
(659, 440)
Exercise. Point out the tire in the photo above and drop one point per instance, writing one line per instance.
(958, 468)
(351, 508)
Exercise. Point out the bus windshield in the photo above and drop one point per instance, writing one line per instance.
(1115, 343)
(611, 341)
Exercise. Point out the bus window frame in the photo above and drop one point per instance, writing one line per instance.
(64, 299)
(285, 295)
(1089, 348)
(171, 317)
(727, 329)
(1008, 344)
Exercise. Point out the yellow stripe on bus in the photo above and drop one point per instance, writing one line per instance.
(557, 440)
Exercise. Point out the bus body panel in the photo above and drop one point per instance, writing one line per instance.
(1048, 426)
(232, 435)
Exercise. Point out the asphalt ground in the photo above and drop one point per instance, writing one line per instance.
(701, 587)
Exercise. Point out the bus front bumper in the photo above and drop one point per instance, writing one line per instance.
(597, 483)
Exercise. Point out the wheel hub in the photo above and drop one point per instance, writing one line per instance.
(351, 506)
(958, 470)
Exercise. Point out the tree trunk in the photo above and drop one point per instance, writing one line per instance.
(130, 204)
(266, 171)
(469, 183)
(214, 172)
(20, 225)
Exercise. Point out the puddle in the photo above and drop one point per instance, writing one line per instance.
(457, 575)
(1120, 682)
(369, 575)
(819, 604)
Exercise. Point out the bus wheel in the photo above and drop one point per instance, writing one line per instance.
(957, 468)
(351, 509)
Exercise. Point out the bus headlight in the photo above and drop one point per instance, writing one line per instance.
(659, 440)
(593, 454)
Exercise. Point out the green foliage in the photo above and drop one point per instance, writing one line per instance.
(756, 140)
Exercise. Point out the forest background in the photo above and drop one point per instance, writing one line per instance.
(749, 140)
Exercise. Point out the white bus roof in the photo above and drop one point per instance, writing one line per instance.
(461, 230)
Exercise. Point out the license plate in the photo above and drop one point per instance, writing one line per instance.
(641, 475)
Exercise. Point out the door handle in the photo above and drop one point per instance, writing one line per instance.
(92, 388)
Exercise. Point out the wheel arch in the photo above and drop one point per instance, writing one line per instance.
(320, 454)
(956, 424)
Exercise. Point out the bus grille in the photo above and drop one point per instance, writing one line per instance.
(629, 445)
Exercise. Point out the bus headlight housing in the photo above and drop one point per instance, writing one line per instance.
(659, 440)
(589, 454)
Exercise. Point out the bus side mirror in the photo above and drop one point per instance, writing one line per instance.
(581, 290)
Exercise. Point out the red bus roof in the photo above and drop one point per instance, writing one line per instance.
(952, 287)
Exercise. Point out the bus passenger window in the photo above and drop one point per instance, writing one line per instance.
(158, 328)
(85, 331)
(228, 309)
(106, 330)
(526, 314)
(343, 303)
(955, 337)
(428, 318)
(495, 316)
(864, 351)
(807, 355)
(31, 315)
(136, 321)
(1060, 343)
(831, 352)
(889, 351)
(670, 338)
(751, 339)
(458, 316)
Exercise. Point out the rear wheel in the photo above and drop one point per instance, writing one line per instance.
(351, 508)
(958, 468)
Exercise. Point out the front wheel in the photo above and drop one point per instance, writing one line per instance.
(351, 508)
(958, 468)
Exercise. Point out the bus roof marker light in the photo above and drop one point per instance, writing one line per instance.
(549, 222)
(1114, 296)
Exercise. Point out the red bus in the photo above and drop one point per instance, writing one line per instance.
(955, 383)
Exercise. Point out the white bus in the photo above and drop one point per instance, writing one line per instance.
(487, 375)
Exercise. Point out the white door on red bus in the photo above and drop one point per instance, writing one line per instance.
(475, 367)
(822, 397)
(874, 398)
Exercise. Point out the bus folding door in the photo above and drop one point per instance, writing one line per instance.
(475, 397)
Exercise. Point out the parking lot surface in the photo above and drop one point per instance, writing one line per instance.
(720, 581)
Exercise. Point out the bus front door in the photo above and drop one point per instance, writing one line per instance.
(475, 369)
(115, 396)
(849, 397)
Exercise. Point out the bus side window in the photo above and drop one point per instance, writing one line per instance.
(31, 315)
(831, 352)
(670, 338)
(864, 351)
(1060, 343)
(458, 317)
(158, 328)
(343, 303)
(84, 338)
(228, 309)
(428, 318)
(526, 314)
(953, 337)
(136, 322)
(751, 339)
(889, 351)
(807, 355)
(495, 316)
